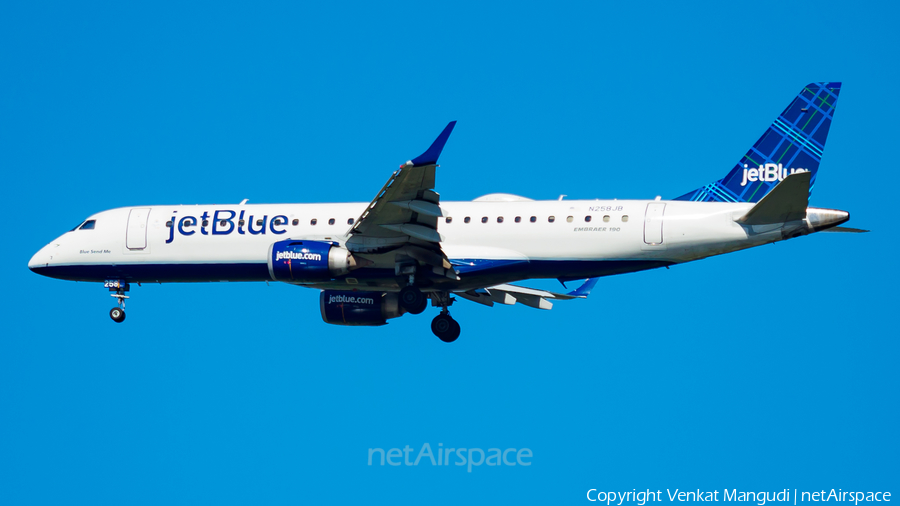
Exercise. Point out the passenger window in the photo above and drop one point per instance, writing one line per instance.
(331, 221)
(484, 219)
(606, 219)
(206, 223)
(551, 219)
(569, 219)
(313, 221)
(222, 223)
(276, 220)
(295, 222)
(625, 217)
(518, 219)
(449, 219)
(587, 219)
(499, 219)
(467, 219)
(258, 223)
(350, 221)
(168, 224)
(533, 219)
(241, 223)
(88, 225)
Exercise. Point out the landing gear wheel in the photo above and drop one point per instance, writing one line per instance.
(413, 300)
(423, 304)
(445, 328)
(117, 314)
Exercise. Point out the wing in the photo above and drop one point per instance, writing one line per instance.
(403, 217)
(538, 299)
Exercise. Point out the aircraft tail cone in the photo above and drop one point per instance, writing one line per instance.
(821, 219)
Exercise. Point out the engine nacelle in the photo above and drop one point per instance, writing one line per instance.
(359, 308)
(302, 260)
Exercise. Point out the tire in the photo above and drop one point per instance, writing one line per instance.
(117, 314)
(423, 305)
(413, 300)
(445, 328)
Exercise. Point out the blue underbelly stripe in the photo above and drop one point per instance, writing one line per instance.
(469, 269)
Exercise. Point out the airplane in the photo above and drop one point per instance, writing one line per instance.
(374, 261)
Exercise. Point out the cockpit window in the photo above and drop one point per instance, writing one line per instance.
(88, 225)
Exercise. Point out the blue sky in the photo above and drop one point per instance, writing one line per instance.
(765, 369)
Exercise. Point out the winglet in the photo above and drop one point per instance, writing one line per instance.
(430, 157)
(585, 289)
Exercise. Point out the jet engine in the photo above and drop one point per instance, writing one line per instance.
(359, 308)
(295, 260)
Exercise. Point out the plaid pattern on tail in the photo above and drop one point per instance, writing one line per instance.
(794, 142)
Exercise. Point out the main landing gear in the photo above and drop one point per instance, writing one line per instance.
(412, 300)
(443, 325)
(120, 287)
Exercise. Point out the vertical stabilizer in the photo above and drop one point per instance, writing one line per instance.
(793, 143)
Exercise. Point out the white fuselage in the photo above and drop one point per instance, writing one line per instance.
(543, 239)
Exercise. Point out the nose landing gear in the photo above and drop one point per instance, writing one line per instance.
(117, 314)
(120, 287)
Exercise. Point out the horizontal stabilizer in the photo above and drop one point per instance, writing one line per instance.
(846, 230)
(786, 202)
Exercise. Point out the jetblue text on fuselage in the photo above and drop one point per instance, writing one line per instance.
(223, 223)
(769, 172)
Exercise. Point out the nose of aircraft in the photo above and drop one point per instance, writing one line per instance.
(42, 258)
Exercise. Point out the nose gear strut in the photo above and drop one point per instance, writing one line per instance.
(120, 287)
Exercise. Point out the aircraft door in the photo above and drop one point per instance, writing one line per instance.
(136, 233)
(653, 223)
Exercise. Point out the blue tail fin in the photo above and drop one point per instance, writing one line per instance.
(793, 143)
